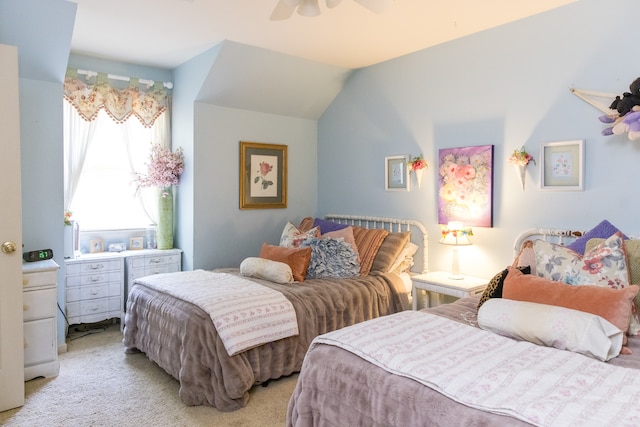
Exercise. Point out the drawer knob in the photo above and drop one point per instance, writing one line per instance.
(25, 307)
(155, 261)
(25, 281)
(96, 266)
(95, 278)
(94, 292)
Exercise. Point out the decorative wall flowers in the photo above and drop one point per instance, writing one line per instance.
(417, 165)
(520, 159)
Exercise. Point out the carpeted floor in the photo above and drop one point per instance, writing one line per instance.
(99, 385)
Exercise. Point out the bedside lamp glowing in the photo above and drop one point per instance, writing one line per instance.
(456, 234)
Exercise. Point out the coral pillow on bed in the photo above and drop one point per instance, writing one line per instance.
(494, 288)
(552, 326)
(263, 268)
(612, 304)
(296, 258)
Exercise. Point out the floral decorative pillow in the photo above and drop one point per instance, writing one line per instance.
(604, 265)
(331, 258)
(292, 237)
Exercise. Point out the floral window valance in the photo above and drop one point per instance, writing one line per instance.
(120, 104)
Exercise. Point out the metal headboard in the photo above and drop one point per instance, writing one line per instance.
(558, 236)
(391, 225)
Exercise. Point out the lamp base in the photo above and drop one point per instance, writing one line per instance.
(456, 276)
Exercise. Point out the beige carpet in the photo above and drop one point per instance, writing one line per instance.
(99, 385)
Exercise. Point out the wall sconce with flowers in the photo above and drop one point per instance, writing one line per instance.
(520, 159)
(417, 165)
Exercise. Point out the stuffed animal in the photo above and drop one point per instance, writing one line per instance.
(627, 105)
(630, 125)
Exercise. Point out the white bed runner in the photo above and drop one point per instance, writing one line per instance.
(245, 313)
(539, 385)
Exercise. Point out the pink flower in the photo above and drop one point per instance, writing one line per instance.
(164, 168)
(265, 168)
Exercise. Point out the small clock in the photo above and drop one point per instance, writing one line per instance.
(39, 255)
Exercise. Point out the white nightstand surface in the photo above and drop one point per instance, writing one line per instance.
(440, 283)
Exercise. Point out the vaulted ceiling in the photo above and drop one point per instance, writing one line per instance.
(167, 33)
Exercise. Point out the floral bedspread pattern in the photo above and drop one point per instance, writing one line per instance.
(536, 384)
(245, 314)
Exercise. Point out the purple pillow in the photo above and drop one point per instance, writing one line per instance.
(604, 230)
(327, 226)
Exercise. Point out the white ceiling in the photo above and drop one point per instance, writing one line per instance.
(167, 33)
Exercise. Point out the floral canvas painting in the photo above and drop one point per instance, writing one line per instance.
(465, 185)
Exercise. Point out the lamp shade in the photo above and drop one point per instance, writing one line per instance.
(455, 233)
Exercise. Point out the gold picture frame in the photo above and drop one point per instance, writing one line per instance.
(263, 175)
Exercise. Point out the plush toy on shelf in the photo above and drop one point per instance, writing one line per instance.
(626, 115)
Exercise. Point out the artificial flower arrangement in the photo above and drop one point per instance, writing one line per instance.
(418, 163)
(164, 168)
(67, 217)
(521, 157)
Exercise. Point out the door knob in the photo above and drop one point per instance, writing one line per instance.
(8, 247)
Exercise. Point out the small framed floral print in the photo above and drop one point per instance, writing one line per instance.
(96, 245)
(136, 243)
(263, 175)
(396, 173)
(562, 166)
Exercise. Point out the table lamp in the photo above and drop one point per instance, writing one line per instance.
(456, 234)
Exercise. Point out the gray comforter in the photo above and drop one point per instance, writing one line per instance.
(181, 338)
(338, 388)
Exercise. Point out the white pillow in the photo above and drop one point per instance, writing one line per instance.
(552, 326)
(263, 268)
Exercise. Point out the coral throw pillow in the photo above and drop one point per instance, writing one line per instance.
(612, 304)
(297, 259)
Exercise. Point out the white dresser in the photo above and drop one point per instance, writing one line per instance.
(40, 282)
(94, 288)
(150, 261)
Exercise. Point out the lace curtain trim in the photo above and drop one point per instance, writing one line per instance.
(120, 104)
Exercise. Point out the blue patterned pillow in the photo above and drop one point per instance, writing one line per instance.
(331, 258)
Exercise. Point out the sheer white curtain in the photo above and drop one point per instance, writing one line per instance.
(161, 134)
(78, 134)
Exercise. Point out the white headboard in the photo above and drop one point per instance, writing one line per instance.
(419, 234)
(561, 237)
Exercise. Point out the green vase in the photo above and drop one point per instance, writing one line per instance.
(164, 231)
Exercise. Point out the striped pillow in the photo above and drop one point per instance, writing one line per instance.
(368, 242)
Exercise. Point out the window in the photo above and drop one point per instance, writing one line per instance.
(106, 194)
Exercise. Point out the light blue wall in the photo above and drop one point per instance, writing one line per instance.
(224, 234)
(507, 86)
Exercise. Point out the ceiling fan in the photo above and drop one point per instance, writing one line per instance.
(285, 8)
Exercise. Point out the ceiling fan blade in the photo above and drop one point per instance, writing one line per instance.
(376, 6)
(332, 3)
(284, 9)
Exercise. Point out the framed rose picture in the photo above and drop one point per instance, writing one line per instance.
(396, 173)
(263, 176)
(561, 166)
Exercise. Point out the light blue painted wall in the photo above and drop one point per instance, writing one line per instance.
(507, 86)
(223, 234)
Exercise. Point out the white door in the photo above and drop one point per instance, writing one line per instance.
(11, 332)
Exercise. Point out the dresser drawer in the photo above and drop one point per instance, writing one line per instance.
(44, 278)
(153, 260)
(93, 309)
(102, 291)
(93, 278)
(100, 266)
(38, 304)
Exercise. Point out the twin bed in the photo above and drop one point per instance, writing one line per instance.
(164, 321)
(438, 367)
